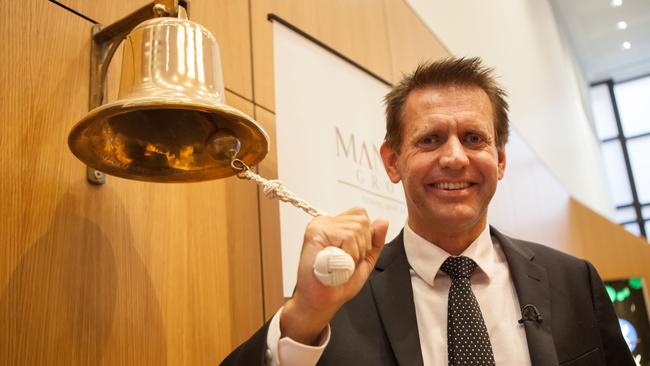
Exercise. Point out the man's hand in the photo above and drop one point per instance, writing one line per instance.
(313, 304)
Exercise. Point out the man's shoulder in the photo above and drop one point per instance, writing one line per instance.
(537, 252)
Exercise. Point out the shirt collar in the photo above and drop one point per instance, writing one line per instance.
(426, 258)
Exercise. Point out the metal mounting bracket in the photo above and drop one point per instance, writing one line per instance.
(105, 41)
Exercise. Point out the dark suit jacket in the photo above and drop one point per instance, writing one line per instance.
(378, 326)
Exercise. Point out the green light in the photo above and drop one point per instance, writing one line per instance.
(636, 283)
(611, 293)
(623, 294)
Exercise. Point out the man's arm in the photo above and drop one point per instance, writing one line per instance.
(251, 353)
(615, 348)
(307, 314)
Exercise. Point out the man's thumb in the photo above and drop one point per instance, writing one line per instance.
(379, 230)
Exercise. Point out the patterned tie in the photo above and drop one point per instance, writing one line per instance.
(468, 342)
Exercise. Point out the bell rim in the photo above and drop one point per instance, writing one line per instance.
(121, 107)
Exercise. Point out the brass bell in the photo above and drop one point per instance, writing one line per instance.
(170, 122)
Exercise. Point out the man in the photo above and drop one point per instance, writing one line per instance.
(449, 289)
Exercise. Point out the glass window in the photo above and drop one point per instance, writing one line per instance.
(619, 183)
(645, 211)
(633, 228)
(639, 150)
(626, 214)
(647, 228)
(601, 105)
(633, 106)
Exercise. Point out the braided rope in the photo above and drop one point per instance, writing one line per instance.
(274, 188)
(332, 266)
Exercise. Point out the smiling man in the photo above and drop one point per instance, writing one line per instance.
(449, 289)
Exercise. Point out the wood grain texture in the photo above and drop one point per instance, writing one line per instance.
(129, 273)
(104, 11)
(270, 223)
(228, 21)
(244, 249)
(356, 29)
(615, 252)
(410, 40)
(531, 204)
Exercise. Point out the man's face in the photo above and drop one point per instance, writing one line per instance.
(449, 164)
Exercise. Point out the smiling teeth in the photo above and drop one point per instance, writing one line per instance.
(451, 186)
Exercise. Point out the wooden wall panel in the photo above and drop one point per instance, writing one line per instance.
(614, 251)
(410, 40)
(532, 204)
(104, 11)
(356, 29)
(270, 223)
(228, 21)
(246, 300)
(129, 273)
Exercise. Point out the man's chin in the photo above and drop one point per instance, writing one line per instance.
(456, 220)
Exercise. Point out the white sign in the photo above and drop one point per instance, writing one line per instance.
(330, 125)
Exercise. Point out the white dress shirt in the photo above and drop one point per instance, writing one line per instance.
(491, 283)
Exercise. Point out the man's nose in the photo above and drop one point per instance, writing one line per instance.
(453, 154)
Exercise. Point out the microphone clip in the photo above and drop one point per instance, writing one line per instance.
(530, 313)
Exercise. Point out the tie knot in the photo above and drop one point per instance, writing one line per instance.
(458, 267)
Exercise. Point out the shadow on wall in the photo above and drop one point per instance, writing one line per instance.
(82, 297)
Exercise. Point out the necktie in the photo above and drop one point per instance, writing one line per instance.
(468, 342)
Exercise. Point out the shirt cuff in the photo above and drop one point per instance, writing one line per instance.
(287, 352)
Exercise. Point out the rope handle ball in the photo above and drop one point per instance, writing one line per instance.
(332, 266)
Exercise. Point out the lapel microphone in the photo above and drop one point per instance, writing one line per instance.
(530, 313)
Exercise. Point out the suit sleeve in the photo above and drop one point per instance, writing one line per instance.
(615, 348)
(250, 353)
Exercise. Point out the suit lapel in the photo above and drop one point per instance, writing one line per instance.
(532, 287)
(393, 294)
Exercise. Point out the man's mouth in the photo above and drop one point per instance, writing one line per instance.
(447, 186)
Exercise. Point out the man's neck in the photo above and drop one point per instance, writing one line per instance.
(453, 242)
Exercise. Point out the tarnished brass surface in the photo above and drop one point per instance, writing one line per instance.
(170, 105)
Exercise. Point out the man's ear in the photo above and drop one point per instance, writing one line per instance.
(501, 161)
(389, 157)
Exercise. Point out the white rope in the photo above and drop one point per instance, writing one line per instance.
(275, 189)
(332, 266)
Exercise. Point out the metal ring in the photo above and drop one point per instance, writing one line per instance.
(238, 165)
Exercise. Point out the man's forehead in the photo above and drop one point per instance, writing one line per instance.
(459, 99)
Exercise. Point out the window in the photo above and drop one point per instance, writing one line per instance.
(622, 117)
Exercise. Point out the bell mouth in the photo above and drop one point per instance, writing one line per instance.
(168, 141)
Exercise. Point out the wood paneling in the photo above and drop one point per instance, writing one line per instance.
(104, 11)
(270, 223)
(244, 256)
(129, 273)
(356, 29)
(410, 40)
(615, 252)
(533, 205)
(227, 20)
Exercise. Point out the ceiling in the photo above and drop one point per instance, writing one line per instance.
(591, 28)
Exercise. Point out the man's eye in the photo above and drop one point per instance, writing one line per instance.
(473, 138)
(429, 140)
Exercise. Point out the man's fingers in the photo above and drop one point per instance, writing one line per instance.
(379, 229)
